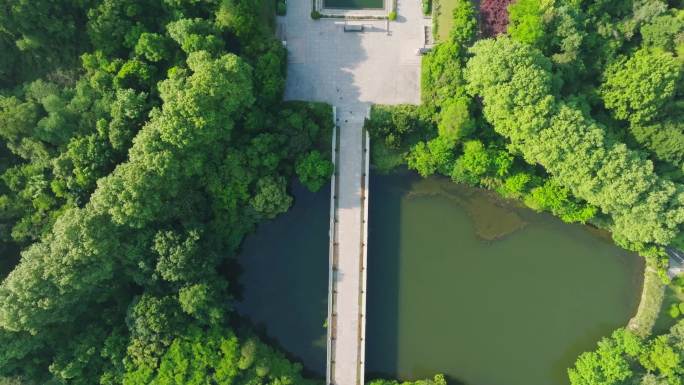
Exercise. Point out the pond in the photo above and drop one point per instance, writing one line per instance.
(354, 4)
(459, 282)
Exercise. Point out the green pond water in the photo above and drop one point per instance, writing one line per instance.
(459, 282)
(354, 4)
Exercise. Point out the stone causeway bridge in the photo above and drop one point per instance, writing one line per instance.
(375, 64)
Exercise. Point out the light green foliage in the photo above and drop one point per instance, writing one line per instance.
(475, 163)
(557, 199)
(217, 356)
(638, 88)
(11, 381)
(464, 27)
(205, 301)
(673, 311)
(608, 365)
(626, 358)
(664, 31)
(436, 155)
(178, 256)
(555, 27)
(314, 170)
(442, 75)
(59, 273)
(515, 84)
(437, 380)
(455, 120)
(478, 162)
(661, 358)
(195, 35)
(517, 185)
(134, 192)
(525, 21)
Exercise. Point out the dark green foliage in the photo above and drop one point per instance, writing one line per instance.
(129, 181)
(281, 7)
(152, 46)
(397, 126)
(665, 140)
(34, 42)
(115, 26)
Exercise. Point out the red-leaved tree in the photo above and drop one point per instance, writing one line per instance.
(494, 16)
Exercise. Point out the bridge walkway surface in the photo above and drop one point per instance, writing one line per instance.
(347, 297)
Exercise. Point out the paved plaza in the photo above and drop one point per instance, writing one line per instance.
(329, 65)
(351, 71)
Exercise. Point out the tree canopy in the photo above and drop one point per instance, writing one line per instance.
(130, 176)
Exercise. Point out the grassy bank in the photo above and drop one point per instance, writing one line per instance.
(651, 302)
(443, 20)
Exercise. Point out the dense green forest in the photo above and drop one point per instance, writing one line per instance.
(575, 107)
(141, 141)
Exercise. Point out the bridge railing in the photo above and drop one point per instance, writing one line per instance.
(365, 188)
(332, 255)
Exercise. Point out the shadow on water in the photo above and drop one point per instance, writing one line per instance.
(284, 279)
(382, 329)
